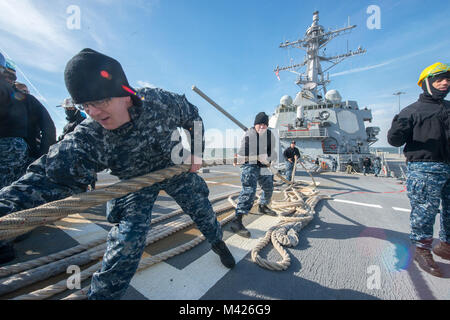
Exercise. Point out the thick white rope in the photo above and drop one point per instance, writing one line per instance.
(295, 210)
(16, 268)
(172, 228)
(280, 235)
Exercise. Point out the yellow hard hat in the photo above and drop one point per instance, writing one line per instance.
(433, 70)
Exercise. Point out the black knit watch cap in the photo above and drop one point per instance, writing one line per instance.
(92, 76)
(262, 118)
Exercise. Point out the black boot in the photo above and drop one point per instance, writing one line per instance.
(225, 255)
(238, 227)
(442, 250)
(426, 262)
(264, 209)
(6, 253)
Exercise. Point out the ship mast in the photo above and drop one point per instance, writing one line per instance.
(313, 78)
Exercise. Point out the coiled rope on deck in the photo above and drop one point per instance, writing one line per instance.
(295, 211)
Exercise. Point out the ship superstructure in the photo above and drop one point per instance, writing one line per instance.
(323, 125)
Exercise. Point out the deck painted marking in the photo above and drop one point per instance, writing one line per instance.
(222, 184)
(401, 209)
(165, 282)
(228, 173)
(359, 203)
(81, 229)
(362, 192)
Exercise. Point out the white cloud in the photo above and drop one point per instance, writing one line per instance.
(29, 36)
(145, 84)
(362, 69)
(387, 62)
(36, 33)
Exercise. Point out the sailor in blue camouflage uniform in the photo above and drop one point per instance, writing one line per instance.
(14, 160)
(291, 154)
(425, 128)
(13, 147)
(23, 121)
(131, 137)
(257, 149)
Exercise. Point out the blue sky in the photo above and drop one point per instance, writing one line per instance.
(228, 49)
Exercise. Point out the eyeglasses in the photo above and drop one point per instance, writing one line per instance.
(100, 104)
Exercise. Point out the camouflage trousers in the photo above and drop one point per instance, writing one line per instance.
(376, 170)
(132, 215)
(251, 174)
(14, 160)
(428, 185)
(289, 167)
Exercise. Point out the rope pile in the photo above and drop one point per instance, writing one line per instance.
(295, 211)
(296, 202)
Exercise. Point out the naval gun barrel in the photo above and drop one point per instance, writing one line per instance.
(215, 105)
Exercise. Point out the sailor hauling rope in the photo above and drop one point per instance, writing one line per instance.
(258, 142)
(132, 137)
(291, 154)
(126, 236)
(256, 152)
(26, 128)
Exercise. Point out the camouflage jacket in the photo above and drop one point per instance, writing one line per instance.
(145, 144)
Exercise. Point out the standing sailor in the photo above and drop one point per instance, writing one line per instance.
(14, 150)
(26, 129)
(424, 127)
(377, 166)
(367, 164)
(132, 138)
(291, 154)
(257, 149)
(41, 130)
(73, 116)
(334, 165)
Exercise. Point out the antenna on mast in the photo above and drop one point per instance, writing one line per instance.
(316, 38)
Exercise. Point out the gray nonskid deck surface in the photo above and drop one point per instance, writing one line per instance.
(355, 240)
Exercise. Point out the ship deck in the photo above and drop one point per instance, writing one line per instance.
(356, 247)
